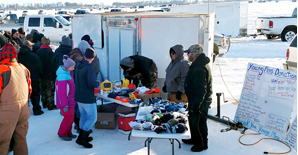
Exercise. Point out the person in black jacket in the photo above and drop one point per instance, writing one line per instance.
(48, 76)
(139, 68)
(85, 82)
(63, 49)
(198, 89)
(33, 63)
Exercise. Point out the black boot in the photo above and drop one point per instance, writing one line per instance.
(85, 135)
(79, 139)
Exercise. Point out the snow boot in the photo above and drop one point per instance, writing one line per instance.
(79, 139)
(85, 135)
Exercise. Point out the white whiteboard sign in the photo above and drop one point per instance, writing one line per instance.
(291, 138)
(267, 99)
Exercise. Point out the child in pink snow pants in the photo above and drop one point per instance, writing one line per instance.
(65, 91)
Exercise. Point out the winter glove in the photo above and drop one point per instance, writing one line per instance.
(164, 88)
(179, 95)
(65, 109)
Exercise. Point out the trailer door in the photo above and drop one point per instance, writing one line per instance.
(224, 18)
(120, 45)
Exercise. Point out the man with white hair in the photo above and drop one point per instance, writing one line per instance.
(198, 89)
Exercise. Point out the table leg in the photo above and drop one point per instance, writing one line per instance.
(178, 143)
(129, 136)
(149, 141)
(173, 141)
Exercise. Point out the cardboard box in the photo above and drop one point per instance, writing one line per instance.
(125, 115)
(147, 96)
(106, 117)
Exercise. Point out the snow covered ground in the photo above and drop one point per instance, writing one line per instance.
(42, 137)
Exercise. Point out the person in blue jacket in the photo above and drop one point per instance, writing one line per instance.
(85, 82)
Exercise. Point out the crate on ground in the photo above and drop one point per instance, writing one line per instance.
(106, 117)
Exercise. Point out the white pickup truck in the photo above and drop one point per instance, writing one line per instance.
(283, 27)
(52, 26)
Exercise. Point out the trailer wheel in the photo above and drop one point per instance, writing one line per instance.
(288, 34)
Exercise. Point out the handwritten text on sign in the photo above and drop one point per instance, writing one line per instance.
(267, 99)
(291, 138)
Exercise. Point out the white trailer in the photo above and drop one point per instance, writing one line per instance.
(230, 17)
(151, 34)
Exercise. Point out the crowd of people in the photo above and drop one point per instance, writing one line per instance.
(30, 71)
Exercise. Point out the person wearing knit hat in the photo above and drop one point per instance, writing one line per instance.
(141, 70)
(63, 49)
(34, 64)
(13, 31)
(67, 62)
(198, 89)
(48, 75)
(85, 82)
(22, 34)
(65, 99)
(65, 40)
(15, 88)
(16, 39)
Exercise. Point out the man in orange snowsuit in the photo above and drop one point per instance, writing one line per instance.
(15, 90)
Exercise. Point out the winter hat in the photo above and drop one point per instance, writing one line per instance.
(86, 37)
(195, 49)
(65, 40)
(67, 62)
(90, 53)
(83, 45)
(33, 31)
(29, 36)
(8, 51)
(127, 61)
(13, 31)
(21, 31)
(28, 43)
(45, 40)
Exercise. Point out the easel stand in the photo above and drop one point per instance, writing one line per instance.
(225, 120)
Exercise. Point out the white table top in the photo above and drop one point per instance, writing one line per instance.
(116, 101)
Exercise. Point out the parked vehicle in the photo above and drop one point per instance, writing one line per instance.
(283, 27)
(82, 12)
(223, 43)
(117, 10)
(118, 35)
(41, 12)
(52, 26)
(25, 13)
(67, 17)
(291, 56)
(2, 13)
(62, 12)
(9, 19)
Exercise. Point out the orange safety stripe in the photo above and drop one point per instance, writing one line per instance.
(3, 68)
